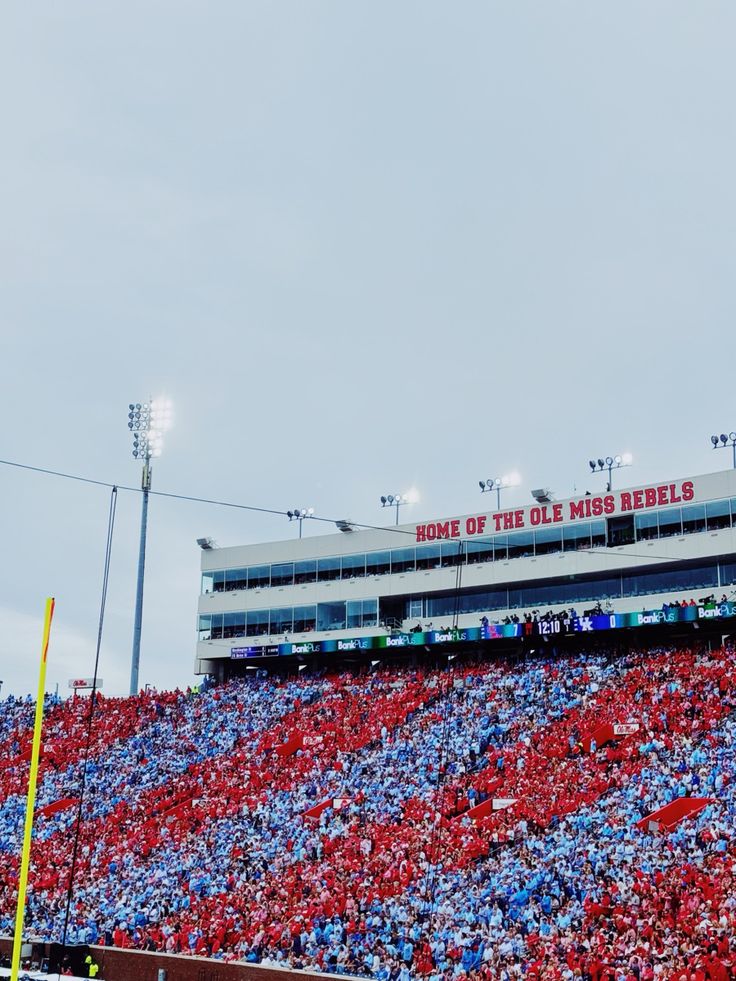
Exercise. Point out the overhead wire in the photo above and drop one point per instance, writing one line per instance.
(365, 526)
(90, 717)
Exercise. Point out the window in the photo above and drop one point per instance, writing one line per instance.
(451, 554)
(670, 580)
(218, 582)
(281, 620)
(208, 582)
(479, 551)
(403, 560)
(305, 571)
(717, 515)
(728, 574)
(233, 625)
(670, 523)
(378, 563)
(429, 556)
(331, 616)
(305, 619)
(597, 534)
(415, 607)
(204, 628)
(547, 540)
(646, 526)
(256, 623)
(500, 548)
(578, 536)
(693, 518)
(282, 574)
(259, 576)
(216, 626)
(370, 612)
(353, 566)
(520, 544)
(355, 613)
(328, 569)
(236, 579)
(621, 531)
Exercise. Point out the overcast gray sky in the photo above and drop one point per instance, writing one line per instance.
(361, 246)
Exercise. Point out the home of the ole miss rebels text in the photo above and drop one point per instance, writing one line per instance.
(580, 508)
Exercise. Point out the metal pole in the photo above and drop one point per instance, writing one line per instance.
(498, 498)
(734, 454)
(397, 512)
(136, 658)
(300, 527)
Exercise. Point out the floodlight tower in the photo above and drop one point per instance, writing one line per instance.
(148, 421)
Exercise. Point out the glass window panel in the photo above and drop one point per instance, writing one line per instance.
(717, 515)
(207, 582)
(259, 576)
(728, 573)
(415, 607)
(670, 522)
(353, 566)
(218, 582)
(236, 579)
(597, 534)
(670, 580)
(693, 518)
(500, 548)
(233, 625)
(328, 569)
(355, 614)
(479, 550)
(305, 619)
(331, 616)
(547, 540)
(305, 571)
(370, 612)
(451, 554)
(429, 556)
(403, 560)
(621, 530)
(646, 526)
(256, 623)
(282, 574)
(578, 536)
(204, 627)
(520, 544)
(281, 620)
(216, 626)
(378, 563)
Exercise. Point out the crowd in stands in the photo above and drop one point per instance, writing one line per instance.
(396, 824)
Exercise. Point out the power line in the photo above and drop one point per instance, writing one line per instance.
(607, 553)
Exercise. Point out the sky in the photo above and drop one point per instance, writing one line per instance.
(361, 247)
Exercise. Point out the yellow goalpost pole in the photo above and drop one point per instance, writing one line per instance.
(25, 860)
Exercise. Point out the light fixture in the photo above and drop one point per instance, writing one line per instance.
(399, 500)
(725, 441)
(498, 484)
(147, 422)
(299, 514)
(610, 463)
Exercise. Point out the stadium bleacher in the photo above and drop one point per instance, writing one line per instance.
(482, 819)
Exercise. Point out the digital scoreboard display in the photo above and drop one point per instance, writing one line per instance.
(495, 631)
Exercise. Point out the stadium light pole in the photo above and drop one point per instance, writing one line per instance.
(498, 484)
(610, 463)
(299, 514)
(722, 441)
(147, 421)
(399, 500)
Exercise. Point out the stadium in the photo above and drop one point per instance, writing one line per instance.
(497, 746)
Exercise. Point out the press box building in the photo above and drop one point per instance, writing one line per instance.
(618, 559)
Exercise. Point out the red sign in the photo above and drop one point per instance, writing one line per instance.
(577, 509)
